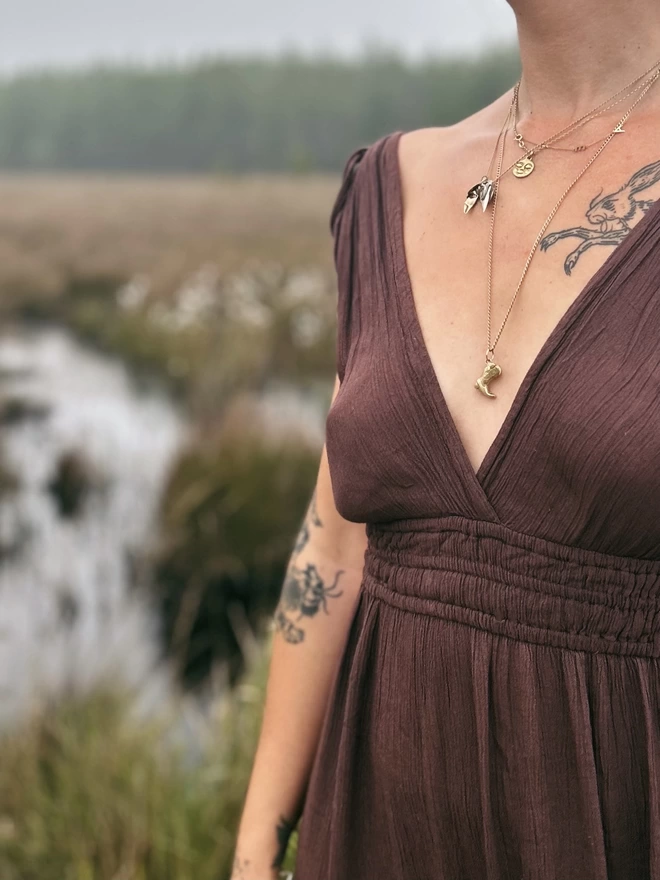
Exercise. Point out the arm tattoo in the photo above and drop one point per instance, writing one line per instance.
(239, 867)
(283, 832)
(611, 216)
(304, 593)
(312, 518)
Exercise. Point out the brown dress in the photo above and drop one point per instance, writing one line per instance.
(496, 712)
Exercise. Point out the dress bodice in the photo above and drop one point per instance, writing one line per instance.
(577, 460)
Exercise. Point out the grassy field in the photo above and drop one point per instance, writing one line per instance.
(89, 791)
(57, 231)
(194, 278)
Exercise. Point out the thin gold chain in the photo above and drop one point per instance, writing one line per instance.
(613, 102)
(525, 145)
(581, 147)
(501, 135)
(491, 239)
(491, 346)
(601, 108)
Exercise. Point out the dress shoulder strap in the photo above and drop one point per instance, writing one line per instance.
(342, 227)
(356, 221)
(348, 174)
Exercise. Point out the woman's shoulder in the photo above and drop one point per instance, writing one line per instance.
(373, 159)
(402, 157)
(373, 170)
(429, 141)
(421, 148)
(368, 153)
(364, 169)
(425, 153)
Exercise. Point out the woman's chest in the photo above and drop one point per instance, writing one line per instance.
(571, 450)
(504, 280)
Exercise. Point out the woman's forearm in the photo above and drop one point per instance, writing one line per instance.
(311, 623)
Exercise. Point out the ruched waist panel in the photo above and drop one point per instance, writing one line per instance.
(488, 576)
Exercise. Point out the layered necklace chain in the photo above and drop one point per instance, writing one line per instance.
(524, 167)
(486, 191)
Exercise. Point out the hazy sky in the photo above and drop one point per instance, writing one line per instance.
(45, 32)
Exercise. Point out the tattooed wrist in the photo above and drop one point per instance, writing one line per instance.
(239, 867)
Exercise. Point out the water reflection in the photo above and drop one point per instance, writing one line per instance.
(84, 456)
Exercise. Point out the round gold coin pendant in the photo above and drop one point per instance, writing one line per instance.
(524, 167)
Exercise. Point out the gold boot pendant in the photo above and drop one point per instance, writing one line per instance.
(491, 371)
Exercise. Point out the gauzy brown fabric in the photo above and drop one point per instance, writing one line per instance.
(496, 711)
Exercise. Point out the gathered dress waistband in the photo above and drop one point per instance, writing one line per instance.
(488, 576)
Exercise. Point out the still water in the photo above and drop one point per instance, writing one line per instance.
(71, 533)
(89, 450)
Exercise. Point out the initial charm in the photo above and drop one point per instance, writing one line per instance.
(491, 371)
(524, 167)
(619, 129)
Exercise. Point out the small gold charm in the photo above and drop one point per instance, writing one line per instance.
(619, 129)
(491, 371)
(524, 167)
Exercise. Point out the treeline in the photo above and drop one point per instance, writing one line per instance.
(237, 115)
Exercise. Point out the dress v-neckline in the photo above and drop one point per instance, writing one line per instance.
(423, 358)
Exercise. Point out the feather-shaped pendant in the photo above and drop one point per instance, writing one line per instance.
(480, 192)
(486, 193)
(470, 201)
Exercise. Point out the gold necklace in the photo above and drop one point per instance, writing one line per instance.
(524, 166)
(580, 148)
(492, 370)
(483, 191)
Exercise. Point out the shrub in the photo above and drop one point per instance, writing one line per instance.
(231, 512)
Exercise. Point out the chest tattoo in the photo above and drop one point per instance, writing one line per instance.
(610, 217)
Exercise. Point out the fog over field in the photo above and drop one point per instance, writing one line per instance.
(41, 32)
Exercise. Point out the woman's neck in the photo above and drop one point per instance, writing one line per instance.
(576, 54)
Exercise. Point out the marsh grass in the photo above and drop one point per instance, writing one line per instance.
(58, 231)
(194, 280)
(90, 790)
